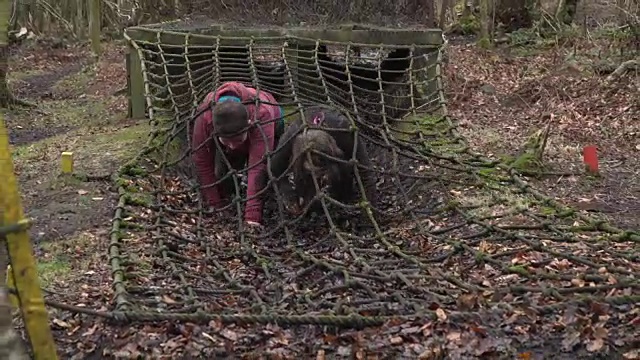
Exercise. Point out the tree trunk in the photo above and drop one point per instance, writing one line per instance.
(485, 25)
(430, 13)
(6, 98)
(566, 11)
(442, 19)
(514, 14)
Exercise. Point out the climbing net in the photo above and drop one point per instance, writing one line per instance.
(455, 232)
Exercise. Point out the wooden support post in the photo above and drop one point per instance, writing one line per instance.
(432, 74)
(135, 85)
(15, 231)
(95, 18)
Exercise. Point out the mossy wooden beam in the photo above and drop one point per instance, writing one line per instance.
(369, 36)
(135, 85)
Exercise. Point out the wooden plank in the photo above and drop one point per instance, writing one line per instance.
(135, 82)
(370, 37)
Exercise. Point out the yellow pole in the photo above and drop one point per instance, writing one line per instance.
(21, 256)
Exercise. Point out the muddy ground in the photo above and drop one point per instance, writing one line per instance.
(74, 112)
(77, 110)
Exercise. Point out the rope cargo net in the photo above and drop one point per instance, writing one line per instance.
(452, 224)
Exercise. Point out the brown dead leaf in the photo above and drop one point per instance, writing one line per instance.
(426, 329)
(599, 308)
(396, 340)
(442, 316)
(600, 332)
(215, 325)
(329, 339)
(454, 336)
(632, 355)
(570, 340)
(467, 301)
(484, 246)
(577, 282)
(168, 300)
(229, 335)
(410, 330)
(479, 330)
(525, 356)
(595, 345)
(61, 323)
(569, 316)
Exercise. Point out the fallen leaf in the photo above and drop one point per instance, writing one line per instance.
(524, 356)
(396, 340)
(229, 335)
(595, 345)
(410, 330)
(442, 316)
(344, 350)
(632, 355)
(168, 300)
(454, 336)
(466, 301)
(61, 323)
(91, 330)
(600, 332)
(320, 355)
(82, 192)
(577, 282)
(570, 340)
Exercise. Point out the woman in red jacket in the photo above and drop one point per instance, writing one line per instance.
(235, 111)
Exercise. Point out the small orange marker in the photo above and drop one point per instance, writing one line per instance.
(590, 156)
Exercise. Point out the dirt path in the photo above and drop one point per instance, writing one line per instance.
(70, 116)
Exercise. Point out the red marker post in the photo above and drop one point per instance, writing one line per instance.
(590, 156)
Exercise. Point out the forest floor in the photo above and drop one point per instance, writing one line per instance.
(498, 97)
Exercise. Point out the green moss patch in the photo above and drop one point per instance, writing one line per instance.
(60, 262)
(50, 271)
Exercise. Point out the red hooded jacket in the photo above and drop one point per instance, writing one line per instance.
(255, 146)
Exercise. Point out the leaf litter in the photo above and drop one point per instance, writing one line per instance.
(521, 331)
